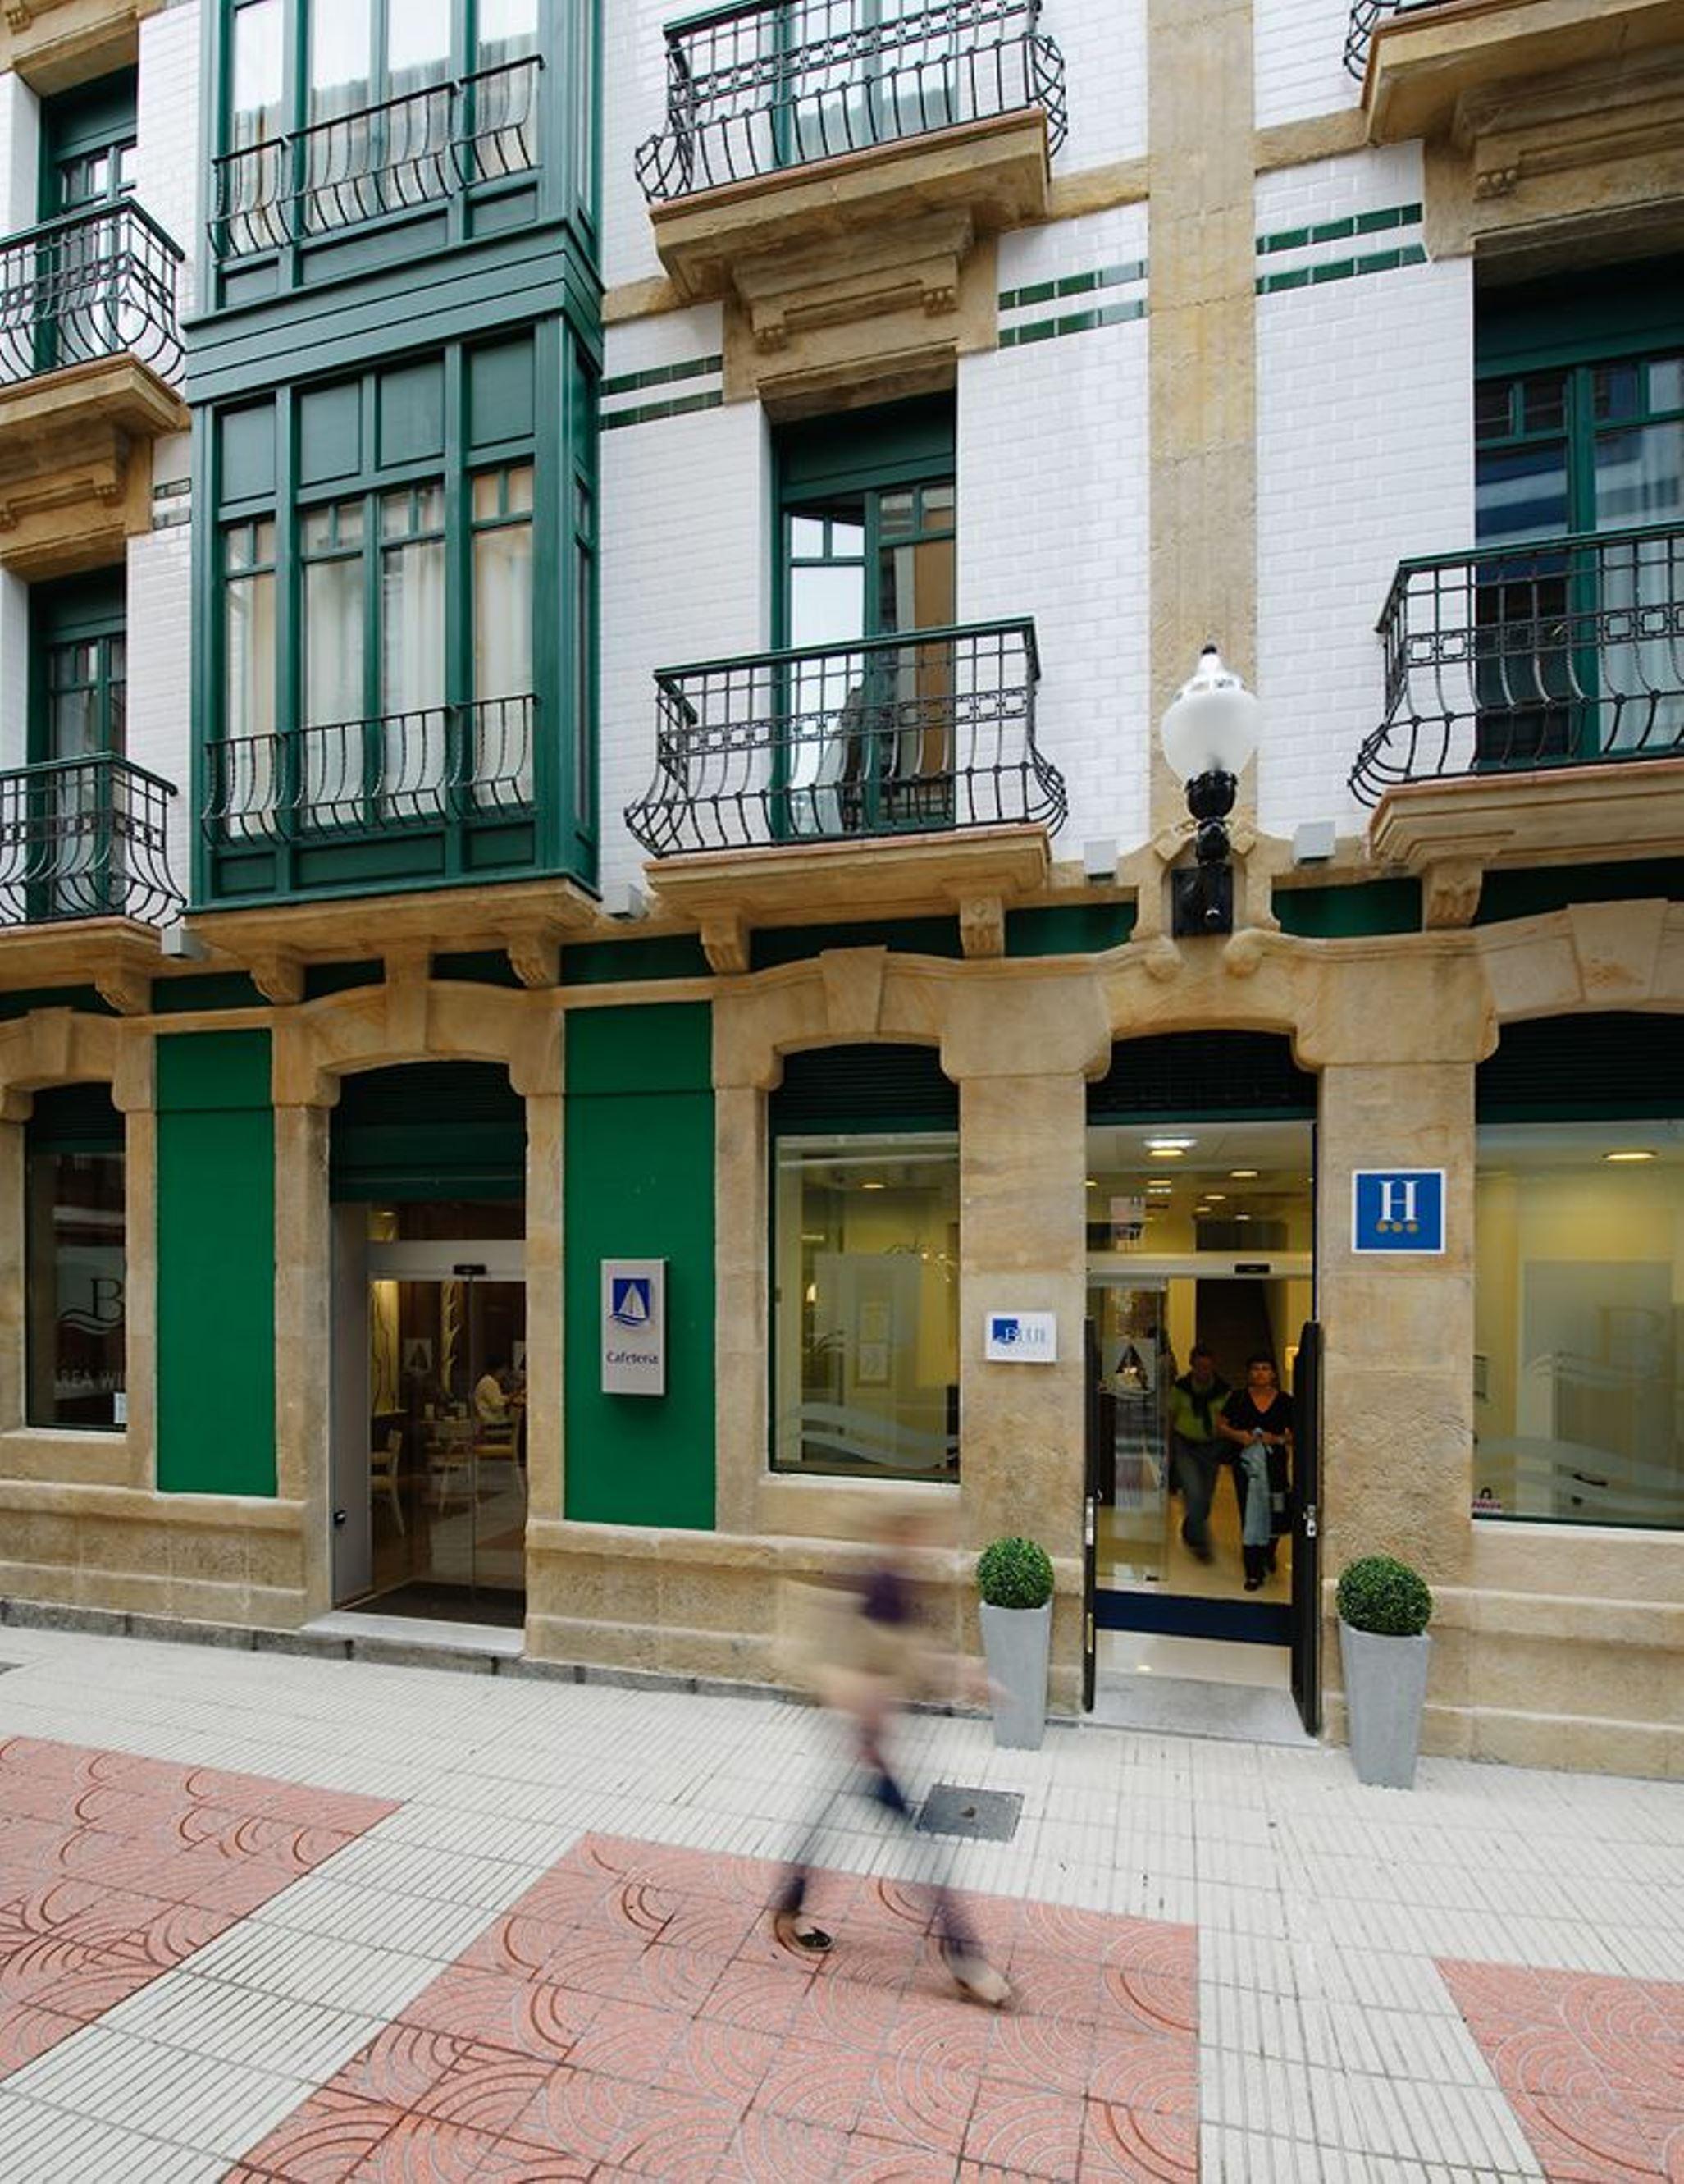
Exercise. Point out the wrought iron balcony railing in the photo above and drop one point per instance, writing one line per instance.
(892, 735)
(445, 764)
(770, 84)
(404, 153)
(88, 286)
(84, 837)
(1366, 18)
(1568, 651)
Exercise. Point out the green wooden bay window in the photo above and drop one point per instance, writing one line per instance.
(347, 129)
(382, 703)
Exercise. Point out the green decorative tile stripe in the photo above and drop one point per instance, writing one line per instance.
(1073, 284)
(1341, 269)
(1339, 230)
(661, 375)
(653, 411)
(1130, 273)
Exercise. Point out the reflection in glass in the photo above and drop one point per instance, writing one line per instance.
(257, 74)
(76, 1272)
(1578, 1332)
(867, 1329)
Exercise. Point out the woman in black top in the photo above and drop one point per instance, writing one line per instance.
(1259, 1417)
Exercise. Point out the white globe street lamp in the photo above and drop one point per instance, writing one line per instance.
(1209, 734)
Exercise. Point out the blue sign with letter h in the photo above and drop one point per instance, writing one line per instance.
(1400, 1209)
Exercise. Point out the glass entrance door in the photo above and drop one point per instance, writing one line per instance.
(447, 1430)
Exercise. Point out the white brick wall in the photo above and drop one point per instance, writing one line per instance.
(1300, 66)
(160, 677)
(1054, 521)
(19, 154)
(167, 183)
(686, 574)
(1103, 43)
(1364, 459)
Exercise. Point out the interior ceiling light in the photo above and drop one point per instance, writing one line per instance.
(1242, 1174)
(1167, 1152)
(1158, 1190)
(874, 1186)
(1217, 1197)
(1633, 1153)
(1093, 1183)
(1171, 1144)
(1243, 1217)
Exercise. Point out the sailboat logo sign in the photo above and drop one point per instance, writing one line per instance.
(634, 1326)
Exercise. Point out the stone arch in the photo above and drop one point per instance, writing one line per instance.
(1591, 957)
(62, 1046)
(413, 1021)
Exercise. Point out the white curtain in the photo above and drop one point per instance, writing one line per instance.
(415, 754)
(503, 663)
(1640, 480)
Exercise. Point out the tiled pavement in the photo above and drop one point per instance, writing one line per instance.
(263, 1918)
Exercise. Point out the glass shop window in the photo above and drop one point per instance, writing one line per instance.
(75, 1270)
(866, 1320)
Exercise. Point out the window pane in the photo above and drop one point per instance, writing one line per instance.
(249, 643)
(417, 43)
(1666, 384)
(520, 490)
(1638, 475)
(508, 28)
(257, 73)
(1579, 1394)
(867, 1322)
(826, 605)
(341, 49)
(412, 611)
(76, 1273)
(503, 612)
(333, 642)
(1522, 494)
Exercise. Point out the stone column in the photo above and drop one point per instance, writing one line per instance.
(1203, 351)
(303, 1336)
(743, 1303)
(545, 1332)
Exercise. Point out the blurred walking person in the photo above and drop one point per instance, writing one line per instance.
(862, 1660)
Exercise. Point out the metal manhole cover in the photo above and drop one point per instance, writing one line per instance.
(988, 1815)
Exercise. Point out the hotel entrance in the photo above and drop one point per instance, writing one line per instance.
(429, 1505)
(1200, 1282)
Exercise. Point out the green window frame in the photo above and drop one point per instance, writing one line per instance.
(1579, 434)
(346, 119)
(390, 705)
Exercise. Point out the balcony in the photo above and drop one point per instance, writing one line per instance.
(1544, 111)
(829, 173)
(442, 793)
(432, 156)
(88, 343)
(56, 44)
(894, 775)
(1534, 709)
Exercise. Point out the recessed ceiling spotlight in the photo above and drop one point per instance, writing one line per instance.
(1243, 1217)
(1633, 1153)
(1217, 1197)
(1242, 1174)
(1093, 1183)
(1165, 1152)
(1170, 1145)
(874, 1186)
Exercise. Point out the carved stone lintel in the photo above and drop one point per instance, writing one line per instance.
(534, 958)
(407, 999)
(724, 939)
(128, 990)
(279, 977)
(1450, 892)
(853, 990)
(982, 925)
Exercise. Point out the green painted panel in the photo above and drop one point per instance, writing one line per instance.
(412, 412)
(501, 394)
(910, 936)
(1085, 928)
(607, 962)
(1343, 913)
(246, 451)
(666, 1047)
(1534, 891)
(1618, 308)
(330, 434)
(215, 1265)
(640, 1185)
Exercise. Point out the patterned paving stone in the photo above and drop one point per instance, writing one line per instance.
(115, 1871)
(1593, 2067)
(633, 2013)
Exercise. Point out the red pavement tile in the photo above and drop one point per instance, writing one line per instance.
(634, 2015)
(1593, 2067)
(325, 2140)
(120, 1869)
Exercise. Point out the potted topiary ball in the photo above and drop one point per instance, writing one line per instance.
(1016, 1580)
(1384, 1609)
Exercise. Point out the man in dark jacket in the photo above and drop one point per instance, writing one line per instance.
(1195, 1450)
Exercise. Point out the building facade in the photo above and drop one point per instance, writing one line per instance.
(601, 967)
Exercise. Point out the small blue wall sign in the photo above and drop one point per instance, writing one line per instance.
(1398, 1209)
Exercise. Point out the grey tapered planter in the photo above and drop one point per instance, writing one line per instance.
(1385, 1696)
(1018, 1644)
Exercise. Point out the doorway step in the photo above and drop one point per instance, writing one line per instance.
(419, 1641)
(1189, 1706)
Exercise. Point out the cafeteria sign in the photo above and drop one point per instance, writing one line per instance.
(634, 1326)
